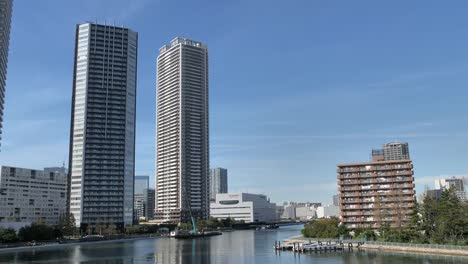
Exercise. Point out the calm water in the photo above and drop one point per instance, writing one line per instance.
(235, 247)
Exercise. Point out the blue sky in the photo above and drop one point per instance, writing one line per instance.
(295, 86)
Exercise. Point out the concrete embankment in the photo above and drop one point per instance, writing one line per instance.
(411, 249)
(58, 245)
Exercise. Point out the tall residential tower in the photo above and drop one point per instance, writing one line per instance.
(6, 7)
(182, 153)
(102, 137)
(218, 182)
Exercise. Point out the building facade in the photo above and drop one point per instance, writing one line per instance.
(141, 183)
(306, 212)
(182, 152)
(243, 207)
(143, 205)
(457, 184)
(396, 151)
(289, 211)
(149, 195)
(336, 200)
(374, 193)
(218, 182)
(327, 211)
(28, 195)
(139, 207)
(102, 137)
(6, 8)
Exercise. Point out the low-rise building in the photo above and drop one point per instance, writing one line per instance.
(306, 212)
(28, 195)
(243, 207)
(299, 210)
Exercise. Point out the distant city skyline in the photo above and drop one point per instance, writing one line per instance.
(323, 83)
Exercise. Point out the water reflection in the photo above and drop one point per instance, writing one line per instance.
(231, 248)
(174, 251)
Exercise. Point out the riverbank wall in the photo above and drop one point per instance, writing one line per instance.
(417, 248)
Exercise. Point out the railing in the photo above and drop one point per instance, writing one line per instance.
(393, 244)
(412, 245)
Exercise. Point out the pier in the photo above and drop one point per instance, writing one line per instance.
(302, 246)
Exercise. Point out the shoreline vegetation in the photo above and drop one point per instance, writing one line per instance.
(436, 226)
(40, 235)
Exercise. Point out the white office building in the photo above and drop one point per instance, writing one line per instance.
(328, 211)
(102, 138)
(182, 151)
(243, 207)
(306, 212)
(28, 195)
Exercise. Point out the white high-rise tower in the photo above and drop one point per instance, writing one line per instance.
(182, 168)
(6, 7)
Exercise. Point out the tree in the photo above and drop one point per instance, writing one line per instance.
(38, 231)
(451, 219)
(67, 224)
(322, 228)
(8, 235)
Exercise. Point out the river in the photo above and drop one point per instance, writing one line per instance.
(236, 247)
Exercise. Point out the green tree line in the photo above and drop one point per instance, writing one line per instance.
(442, 221)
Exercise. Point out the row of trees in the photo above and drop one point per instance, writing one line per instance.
(66, 227)
(35, 231)
(40, 231)
(442, 221)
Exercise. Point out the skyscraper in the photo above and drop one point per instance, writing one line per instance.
(141, 183)
(6, 7)
(218, 182)
(396, 151)
(102, 137)
(182, 151)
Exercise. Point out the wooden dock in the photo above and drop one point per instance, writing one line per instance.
(302, 246)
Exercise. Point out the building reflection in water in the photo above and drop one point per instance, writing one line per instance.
(180, 251)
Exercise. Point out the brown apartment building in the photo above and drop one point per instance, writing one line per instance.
(376, 192)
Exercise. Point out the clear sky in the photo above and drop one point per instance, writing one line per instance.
(295, 86)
